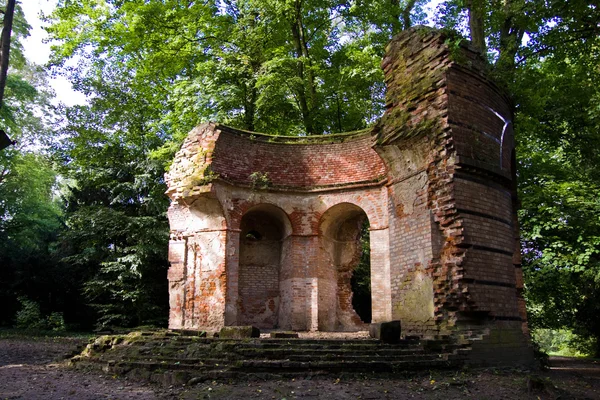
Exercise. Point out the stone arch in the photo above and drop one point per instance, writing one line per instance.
(339, 232)
(264, 233)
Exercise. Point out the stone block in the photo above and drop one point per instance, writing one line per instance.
(239, 332)
(284, 335)
(388, 332)
(192, 332)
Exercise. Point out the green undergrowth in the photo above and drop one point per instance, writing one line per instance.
(563, 342)
(16, 333)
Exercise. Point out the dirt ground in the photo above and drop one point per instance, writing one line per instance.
(32, 368)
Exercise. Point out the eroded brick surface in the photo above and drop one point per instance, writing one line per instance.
(264, 230)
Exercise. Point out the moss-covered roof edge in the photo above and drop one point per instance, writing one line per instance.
(282, 139)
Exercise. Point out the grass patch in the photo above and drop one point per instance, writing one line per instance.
(16, 333)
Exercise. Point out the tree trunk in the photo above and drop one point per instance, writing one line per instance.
(297, 34)
(510, 41)
(401, 15)
(308, 102)
(306, 117)
(410, 4)
(476, 24)
(249, 106)
(306, 56)
(5, 45)
(396, 24)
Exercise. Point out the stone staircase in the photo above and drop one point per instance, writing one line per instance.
(171, 358)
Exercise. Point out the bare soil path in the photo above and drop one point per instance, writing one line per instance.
(34, 368)
(31, 368)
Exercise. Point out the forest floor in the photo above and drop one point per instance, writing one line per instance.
(34, 368)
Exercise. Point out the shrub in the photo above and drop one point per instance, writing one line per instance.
(30, 316)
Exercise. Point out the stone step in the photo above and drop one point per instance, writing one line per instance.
(330, 366)
(233, 359)
(248, 349)
(330, 343)
(282, 353)
(179, 358)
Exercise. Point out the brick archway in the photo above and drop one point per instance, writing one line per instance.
(339, 232)
(264, 233)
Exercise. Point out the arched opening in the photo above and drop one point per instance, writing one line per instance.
(344, 273)
(264, 230)
(361, 277)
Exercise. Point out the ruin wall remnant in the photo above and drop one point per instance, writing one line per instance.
(264, 228)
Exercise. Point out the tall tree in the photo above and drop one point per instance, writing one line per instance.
(7, 23)
(117, 232)
(30, 216)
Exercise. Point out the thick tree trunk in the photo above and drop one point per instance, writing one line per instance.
(401, 15)
(511, 36)
(309, 73)
(306, 117)
(476, 24)
(410, 4)
(5, 45)
(249, 107)
(302, 55)
(308, 101)
(510, 41)
(396, 24)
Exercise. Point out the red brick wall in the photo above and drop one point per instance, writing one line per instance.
(461, 233)
(236, 157)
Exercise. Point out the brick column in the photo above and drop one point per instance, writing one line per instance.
(297, 284)
(232, 263)
(380, 275)
(176, 276)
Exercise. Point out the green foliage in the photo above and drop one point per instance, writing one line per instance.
(56, 322)
(117, 230)
(260, 180)
(30, 216)
(562, 342)
(560, 192)
(286, 67)
(30, 316)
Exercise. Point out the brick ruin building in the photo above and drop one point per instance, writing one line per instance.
(264, 229)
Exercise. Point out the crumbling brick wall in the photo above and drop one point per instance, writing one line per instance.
(434, 177)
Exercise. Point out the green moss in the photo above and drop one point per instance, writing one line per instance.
(202, 174)
(284, 139)
(260, 180)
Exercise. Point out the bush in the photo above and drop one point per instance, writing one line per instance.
(56, 322)
(562, 342)
(30, 317)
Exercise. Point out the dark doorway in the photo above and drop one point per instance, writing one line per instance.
(361, 277)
